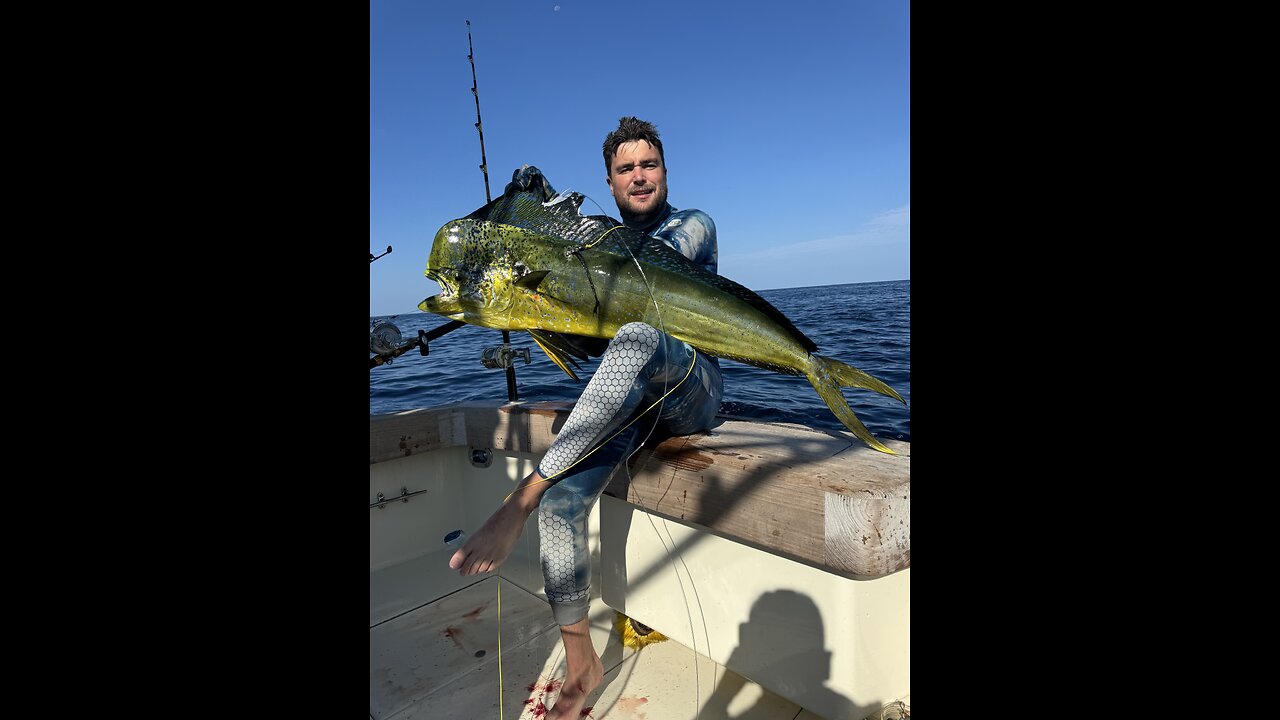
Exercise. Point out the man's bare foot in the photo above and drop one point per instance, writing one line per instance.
(574, 692)
(489, 547)
(584, 671)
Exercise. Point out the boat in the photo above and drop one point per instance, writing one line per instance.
(760, 569)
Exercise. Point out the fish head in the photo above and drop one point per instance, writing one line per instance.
(481, 273)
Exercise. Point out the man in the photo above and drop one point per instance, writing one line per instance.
(641, 366)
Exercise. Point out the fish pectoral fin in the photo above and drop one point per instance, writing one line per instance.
(561, 355)
(564, 344)
(579, 346)
(532, 280)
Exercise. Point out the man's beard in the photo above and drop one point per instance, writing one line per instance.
(659, 201)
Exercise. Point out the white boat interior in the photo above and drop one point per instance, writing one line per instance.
(773, 558)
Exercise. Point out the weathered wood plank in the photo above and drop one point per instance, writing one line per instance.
(818, 497)
(415, 431)
(517, 427)
(813, 496)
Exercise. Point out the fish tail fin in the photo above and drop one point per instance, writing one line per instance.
(827, 377)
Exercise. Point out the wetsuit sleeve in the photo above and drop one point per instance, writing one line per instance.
(693, 234)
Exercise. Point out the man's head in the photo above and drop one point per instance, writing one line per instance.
(636, 169)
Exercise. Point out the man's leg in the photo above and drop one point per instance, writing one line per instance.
(691, 395)
(562, 525)
(597, 437)
(603, 430)
(566, 563)
(611, 398)
(585, 671)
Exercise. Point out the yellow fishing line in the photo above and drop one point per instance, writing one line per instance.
(606, 232)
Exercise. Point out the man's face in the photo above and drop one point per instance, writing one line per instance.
(638, 180)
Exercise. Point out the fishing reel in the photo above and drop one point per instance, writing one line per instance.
(384, 337)
(503, 356)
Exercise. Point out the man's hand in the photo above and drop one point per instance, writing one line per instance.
(528, 178)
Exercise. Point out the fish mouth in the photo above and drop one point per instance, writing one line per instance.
(446, 302)
(447, 279)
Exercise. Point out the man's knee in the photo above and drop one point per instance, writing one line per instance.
(638, 334)
(562, 501)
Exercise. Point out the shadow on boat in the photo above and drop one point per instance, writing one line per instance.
(783, 643)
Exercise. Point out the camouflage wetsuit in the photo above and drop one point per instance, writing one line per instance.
(640, 365)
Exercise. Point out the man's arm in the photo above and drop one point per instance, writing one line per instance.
(693, 234)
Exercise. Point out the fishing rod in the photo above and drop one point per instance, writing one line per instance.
(503, 355)
(384, 339)
(384, 336)
(484, 163)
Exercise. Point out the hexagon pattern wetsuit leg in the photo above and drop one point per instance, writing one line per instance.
(640, 366)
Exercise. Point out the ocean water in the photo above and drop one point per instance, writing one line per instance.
(867, 325)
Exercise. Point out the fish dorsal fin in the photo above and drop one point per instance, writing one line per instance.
(559, 217)
(575, 200)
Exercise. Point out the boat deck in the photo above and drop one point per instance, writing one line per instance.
(778, 551)
(440, 660)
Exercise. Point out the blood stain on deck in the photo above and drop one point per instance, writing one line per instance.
(452, 633)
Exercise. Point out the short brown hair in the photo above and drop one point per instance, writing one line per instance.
(630, 129)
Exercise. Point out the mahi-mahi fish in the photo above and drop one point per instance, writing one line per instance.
(520, 264)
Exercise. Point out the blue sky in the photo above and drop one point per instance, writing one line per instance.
(788, 122)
